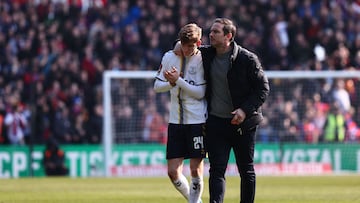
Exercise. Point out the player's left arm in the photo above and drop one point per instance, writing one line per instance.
(195, 89)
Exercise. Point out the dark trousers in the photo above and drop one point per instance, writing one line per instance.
(221, 137)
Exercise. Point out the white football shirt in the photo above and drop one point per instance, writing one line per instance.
(187, 102)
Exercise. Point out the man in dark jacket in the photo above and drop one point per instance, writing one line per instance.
(236, 89)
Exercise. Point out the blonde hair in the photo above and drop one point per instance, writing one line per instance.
(190, 33)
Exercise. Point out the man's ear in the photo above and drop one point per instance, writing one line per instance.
(229, 36)
(198, 43)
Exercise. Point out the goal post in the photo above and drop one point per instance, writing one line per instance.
(112, 83)
(108, 129)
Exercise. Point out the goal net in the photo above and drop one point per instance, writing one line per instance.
(307, 107)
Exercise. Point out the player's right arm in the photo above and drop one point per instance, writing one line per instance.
(161, 83)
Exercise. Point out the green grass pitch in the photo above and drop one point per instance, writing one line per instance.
(274, 189)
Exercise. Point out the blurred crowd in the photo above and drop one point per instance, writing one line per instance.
(53, 54)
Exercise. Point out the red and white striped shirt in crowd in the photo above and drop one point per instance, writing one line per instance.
(15, 122)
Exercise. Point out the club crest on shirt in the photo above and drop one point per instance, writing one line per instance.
(192, 70)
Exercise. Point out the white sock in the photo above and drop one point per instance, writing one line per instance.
(196, 189)
(182, 185)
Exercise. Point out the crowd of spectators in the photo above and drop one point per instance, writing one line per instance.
(53, 54)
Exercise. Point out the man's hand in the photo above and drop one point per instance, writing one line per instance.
(239, 116)
(172, 75)
(177, 49)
